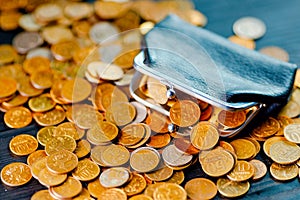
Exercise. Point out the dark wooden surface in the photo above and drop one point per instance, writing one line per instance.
(283, 29)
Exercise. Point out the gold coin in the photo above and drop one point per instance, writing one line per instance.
(95, 188)
(69, 129)
(217, 162)
(159, 141)
(140, 197)
(114, 177)
(23, 144)
(8, 86)
(185, 145)
(55, 92)
(158, 92)
(232, 189)
(292, 133)
(131, 134)
(7, 54)
(17, 100)
(70, 188)
(256, 144)
(42, 79)
(174, 157)
(161, 174)
(102, 133)
(242, 171)
(120, 113)
(35, 156)
(291, 109)
(64, 50)
(83, 148)
(144, 139)
(250, 44)
(267, 128)
(44, 135)
(83, 195)
(96, 154)
(76, 90)
(144, 159)
(17, 117)
(283, 121)
(9, 20)
(62, 162)
(59, 143)
(152, 187)
(284, 172)
(177, 177)
(284, 152)
(42, 194)
(51, 117)
(158, 122)
(15, 174)
(268, 143)
(231, 119)
(201, 188)
(41, 103)
(170, 191)
(135, 186)
(227, 146)
(25, 88)
(113, 193)
(34, 64)
(185, 113)
(86, 170)
(38, 166)
(204, 135)
(115, 155)
(243, 148)
(48, 178)
(260, 169)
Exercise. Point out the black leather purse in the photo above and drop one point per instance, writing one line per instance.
(201, 64)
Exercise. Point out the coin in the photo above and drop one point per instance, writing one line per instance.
(158, 92)
(283, 121)
(8, 87)
(161, 174)
(260, 169)
(64, 50)
(41, 103)
(185, 145)
(247, 43)
(232, 189)
(83, 195)
(78, 10)
(144, 139)
(70, 188)
(41, 194)
(17, 117)
(231, 119)
(227, 146)
(185, 113)
(135, 186)
(107, 71)
(23, 144)
(35, 156)
(95, 188)
(83, 148)
(86, 170)
(275, 52)
(103, 31)
(62, 162)
(113, 193)
(177, 177)
(140, 197)
(120, 113)
(170, 191)
(38, 166)
(56, 33)
(25, 41)
(96, 154)
(42, 79)
(8, 54)
(268, 143)
(16, 101)
(249, 28)
(111, 9)
(141, 112)
(292, 133)
(284, 152)
(217, 162)
(173, 157)
(51, 117)
(201, 188)
(114, 177)
(25, 88)
(115, 155)
(37, 63)
(48, 178)
(291, 109)
(204, 135)
(9, 20)
(44, 135)
(102, 133)
(267, 128)
(28, 23)
(242, 171)
(15, 174)
(243, 148)
(159, 140)
(157, 122)
(59, 143)
(284, 172)
(131, 134)
(48, 12)
(76, 90)
(144, 159)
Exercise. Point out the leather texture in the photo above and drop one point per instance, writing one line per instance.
(210, 65)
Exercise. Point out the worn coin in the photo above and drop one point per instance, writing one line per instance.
(83, 148)
(292, 133)
(114, 177)
(231, 119)
(25, 41)
(173, 157)
(242, 171)
(268, 143)
(284, 172)
(260, 169)
(144, 159)
(161, 174)
(115, 155)
(284, 152)
(62, 161)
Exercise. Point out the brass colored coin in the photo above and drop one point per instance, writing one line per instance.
(55, 92)
(260, 169)
(250, 44)
(25, 88)
(34, 64)
(96, 154)
(56, 33)
(42, 194)
(48, 178)
(275, 52)
(201, 188)
(64, 50)
(81, 29)
(59, 143)
(161, 174)
(141, 112)
(70, 188)
(76, 90)
(78, 10)
(120, 113)
(204, 135)
(62, 162)
(232, 189)
(115, 155)
(291, 109)
(157, 122)
(69, 129)
(102, 133)
(284, 172)
(51, 117)
(256, 144)
(185, 145)
(42, 79)
(243, 148)
(140, 197)
(145, 138)
(170, 191)
(113, 193)
(284, 152)
(267, 128)
(44, 135)
(23, 144)
(217, 162)
(9, 20)
(48, 12)
(8, 87)
(95, 188)
(283, 121)
(17, 117)
(86, 170)
(131, 134)
(292, 133)
(125, 60)
(38, 166)
(231, 119)
(268, 143)
(7, 54)
(17, 100)
(185, 113)
(227, 146)
(35, 156)
(135, 186)
(83, 195)
(158, 92)
(114, 177)
(175, 158)
(111, 9)
(242, 171)
(159, 141)
(15, 174)
(177, 177)
(83, 148)
(144, 159)
(41, 103)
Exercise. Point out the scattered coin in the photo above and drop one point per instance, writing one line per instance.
(48, 178)
(173, 157)
(135, 186)
(249, 28)
(169, 190)
(247, 43)
(284, 172)
(243, 148)
(23, 144)
(113, 193)
(18, 117)
(231, 119)
(292, 133)
(35, 156)
(86, 170)
(70, 188)
(15, 174)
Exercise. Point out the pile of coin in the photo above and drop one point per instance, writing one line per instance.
(69, 71)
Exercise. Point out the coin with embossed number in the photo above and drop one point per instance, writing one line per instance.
(284, 172)
(242, 171)
(23, 144)
(15, 174)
